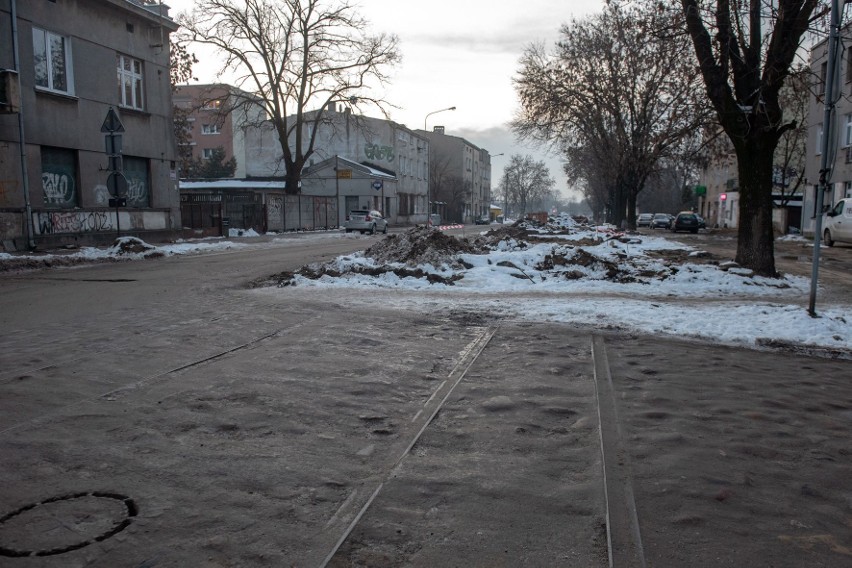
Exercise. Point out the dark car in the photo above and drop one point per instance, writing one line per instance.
(644, 219)
(685, 222)
(702, 224)
(660, 221)
(484, 220)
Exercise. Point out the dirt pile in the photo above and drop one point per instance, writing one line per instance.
(423, 245)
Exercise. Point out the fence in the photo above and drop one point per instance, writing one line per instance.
(301, 213)
(215, 213)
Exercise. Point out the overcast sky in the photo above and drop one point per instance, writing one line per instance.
(460, 53)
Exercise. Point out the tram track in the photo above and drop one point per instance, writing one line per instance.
(110, 394)
(430, 410)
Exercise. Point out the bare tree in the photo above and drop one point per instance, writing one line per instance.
(790, 155)
(526, 182)
(617, 89)
(295, 57)
(745, 51)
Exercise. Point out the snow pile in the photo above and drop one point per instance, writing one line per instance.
(122, 249)
(593, 276)
(526, 257)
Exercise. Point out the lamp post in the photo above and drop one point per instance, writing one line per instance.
(435, 112)
(489, 182)
(429, 167)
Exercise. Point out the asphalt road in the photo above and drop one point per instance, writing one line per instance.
(160, 413)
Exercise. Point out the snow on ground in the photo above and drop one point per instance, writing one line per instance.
(560, 273)
(132, 248)
(585, 277)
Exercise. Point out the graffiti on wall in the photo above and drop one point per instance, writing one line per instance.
(58, 188)
(52, 222)
(137, 192)
(376, 152)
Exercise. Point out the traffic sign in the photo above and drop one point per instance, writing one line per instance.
(112, 123)
(378, 185)
(117, 184)
(113, 144)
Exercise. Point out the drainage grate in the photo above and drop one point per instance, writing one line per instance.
(61, 524)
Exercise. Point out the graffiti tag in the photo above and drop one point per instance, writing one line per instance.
(49, 223)
(376, 152)
(58, 188)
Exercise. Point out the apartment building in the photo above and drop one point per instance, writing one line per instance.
(461, 177)
(218, 116)
(839, 159)
(74, 69)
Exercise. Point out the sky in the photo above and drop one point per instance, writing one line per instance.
(462, 54)
(698, 301)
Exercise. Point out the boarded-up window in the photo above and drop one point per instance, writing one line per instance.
(138, 182)
(59, 177)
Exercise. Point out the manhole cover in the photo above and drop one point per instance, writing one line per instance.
(65, 523)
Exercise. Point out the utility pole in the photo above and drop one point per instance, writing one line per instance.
(827, 139)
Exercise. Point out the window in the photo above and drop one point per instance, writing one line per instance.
(849, 64)
(207, 153)
(59, 177)
(848, 189)
(52, 58)
(847, 133)
(210, 129)
(214, 104)
(136, 172)
(129, 82)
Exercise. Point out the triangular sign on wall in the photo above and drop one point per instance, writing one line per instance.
(112, 122)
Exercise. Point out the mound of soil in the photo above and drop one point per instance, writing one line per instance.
(422, 245)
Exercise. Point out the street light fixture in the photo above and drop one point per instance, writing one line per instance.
(429, 167)
(435, 112)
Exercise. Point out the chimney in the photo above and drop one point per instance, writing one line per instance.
(332, 107)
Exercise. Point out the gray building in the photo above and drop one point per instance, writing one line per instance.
(75, 60)
(378, 144)
(460, 174)
(840, 131)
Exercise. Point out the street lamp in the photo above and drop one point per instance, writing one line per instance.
(435, 112)
(489, 181)
(429, 167)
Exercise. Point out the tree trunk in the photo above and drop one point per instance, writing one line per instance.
(631, 209)
(292, 180)
(755, 245)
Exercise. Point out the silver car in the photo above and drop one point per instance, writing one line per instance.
(365, 221)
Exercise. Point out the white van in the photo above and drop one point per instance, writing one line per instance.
(838, 223)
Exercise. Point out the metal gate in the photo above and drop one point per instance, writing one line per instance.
(202, 212)
(244, 211)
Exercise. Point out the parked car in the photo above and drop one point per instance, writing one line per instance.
(685, 221)
(365, 222)
(838, 223)
(484, 220)
(701, 223)
(644, 219)
(660, 221)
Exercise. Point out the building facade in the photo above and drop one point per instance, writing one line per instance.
(461, 177)
(401, 154)
(85, 67)
(839, 159)
(218, 116)
(720, 203)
